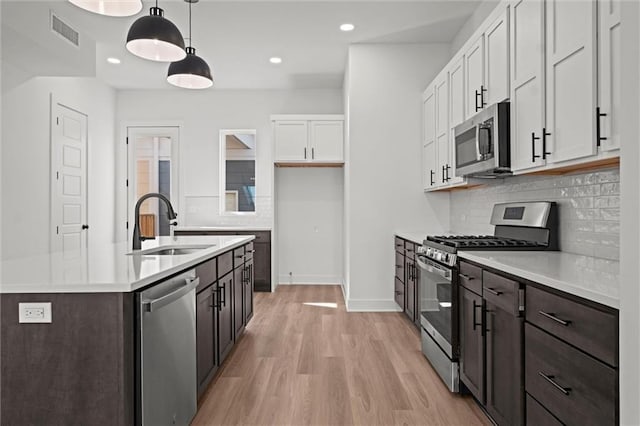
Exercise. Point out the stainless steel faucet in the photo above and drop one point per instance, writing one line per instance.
(171, 215)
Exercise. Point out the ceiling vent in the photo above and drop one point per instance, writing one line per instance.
(64, 30)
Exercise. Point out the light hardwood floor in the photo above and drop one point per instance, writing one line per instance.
(304, 360)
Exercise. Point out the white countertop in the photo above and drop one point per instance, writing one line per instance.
(415, 236)
(591, 278)
(222, 228)
(108, 267)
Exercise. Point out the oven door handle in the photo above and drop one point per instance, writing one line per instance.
(433, 267)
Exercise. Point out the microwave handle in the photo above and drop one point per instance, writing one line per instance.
(478, 156)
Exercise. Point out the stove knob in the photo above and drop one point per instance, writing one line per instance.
(445, 257)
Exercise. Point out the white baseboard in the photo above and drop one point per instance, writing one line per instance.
(364, 305)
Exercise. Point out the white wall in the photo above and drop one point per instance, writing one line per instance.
(26, 159)
(630, 213)
(383, 182)
(481, 13)
(309, 208)
(202, 115)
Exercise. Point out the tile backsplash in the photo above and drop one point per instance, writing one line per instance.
(588, 208)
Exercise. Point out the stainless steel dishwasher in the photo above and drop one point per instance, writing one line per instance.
(167, 383)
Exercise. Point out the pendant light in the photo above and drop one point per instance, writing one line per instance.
(192, 72)
(155, 38)
(110, 7)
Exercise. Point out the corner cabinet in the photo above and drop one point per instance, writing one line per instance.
(308, 140)
(406, 280)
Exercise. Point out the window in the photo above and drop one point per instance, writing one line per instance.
(238, 171)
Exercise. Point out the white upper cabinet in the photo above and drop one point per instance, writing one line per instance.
(527, 83)
(571, 80)
(429, 166)
(496, 40)
(308, 139)
(291, 140)
(474, 77)
(609, 74)
(456, 88)
(441, 88)
(326, 140)
(429, 161)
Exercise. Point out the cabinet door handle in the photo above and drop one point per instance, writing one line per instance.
(492, 291)
(482, 91)
(313, 153)
(599, 138)
(477, 96)
(305, 153)
(534, 138)
(474, 319)
(447, 172)
(251, 251)
(554, 318)
(443, 177)
(223, 301)
(432, 176)
(544, 143)
(549, 379)
(467, 277)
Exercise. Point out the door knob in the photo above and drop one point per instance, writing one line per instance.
(85, 227)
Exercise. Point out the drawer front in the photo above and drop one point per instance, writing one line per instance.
(399, 244)
(573, 386)
(207, 272)
(409, 249)
(470, 277)
(225, 264)
(248, 251)
(400, 266)
(501, 291)
(238, 256)
(399, 293)
(538, 415)
(592, 330)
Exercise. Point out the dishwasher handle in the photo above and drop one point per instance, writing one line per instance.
(155, 304)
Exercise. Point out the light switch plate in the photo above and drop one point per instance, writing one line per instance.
(34, 312)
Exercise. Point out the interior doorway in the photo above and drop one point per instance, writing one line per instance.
(152, 167)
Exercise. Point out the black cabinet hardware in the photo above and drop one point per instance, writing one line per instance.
(305, 153)
(554, 318)
(443, 177)
(447, 168)
(223, 301)
(474, 318)
(544, 143)
(467, 277)
(549, 379)
(492, 291)
(432, 176)
(482, 92)
(478, 94)
(85, 227)
(599, 115)
(313, 153)
(534, 138)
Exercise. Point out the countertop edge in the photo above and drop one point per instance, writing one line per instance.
(221, 228)
(417, 237)
(547, 281)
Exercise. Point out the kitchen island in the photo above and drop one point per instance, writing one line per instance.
(82, 364)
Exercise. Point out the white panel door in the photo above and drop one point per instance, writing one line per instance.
(527, 83)
(429, 162)
(290, 138)
(497, 60)
(456, 90)
(609, 73)
(474, 77)
(69, 188)
(441, 87)
(326, 139)
(571, 79)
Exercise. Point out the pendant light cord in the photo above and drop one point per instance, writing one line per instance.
(189, 23)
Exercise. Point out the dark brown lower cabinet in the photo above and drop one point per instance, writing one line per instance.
(399, 293)
(471, 343)
(206, 333)
(410, 288)
(247, 296)
(225, 316)
(537, 415)
(504, 361)
(238, 301)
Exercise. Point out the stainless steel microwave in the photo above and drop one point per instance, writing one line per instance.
(482, 143)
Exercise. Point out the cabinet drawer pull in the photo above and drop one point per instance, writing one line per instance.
(251, 251)
(554, 318)
(475, 323)
(492, 291)
(534, 138)
(553, 382)
(432, 175)
(598, 129)
(467, 277)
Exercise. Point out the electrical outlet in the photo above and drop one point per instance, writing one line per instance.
(34, 312)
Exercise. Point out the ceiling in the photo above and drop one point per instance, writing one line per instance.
(236, 38)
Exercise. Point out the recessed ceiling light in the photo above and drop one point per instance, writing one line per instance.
(275, 60)
(347, 27)
(113, 60)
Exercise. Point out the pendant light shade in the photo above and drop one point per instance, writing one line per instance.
(190, 73)
(156, 38)
(110, 7)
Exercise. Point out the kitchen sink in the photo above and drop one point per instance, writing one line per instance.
(172, 250)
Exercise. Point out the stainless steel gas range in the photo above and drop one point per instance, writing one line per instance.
(518, 226)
